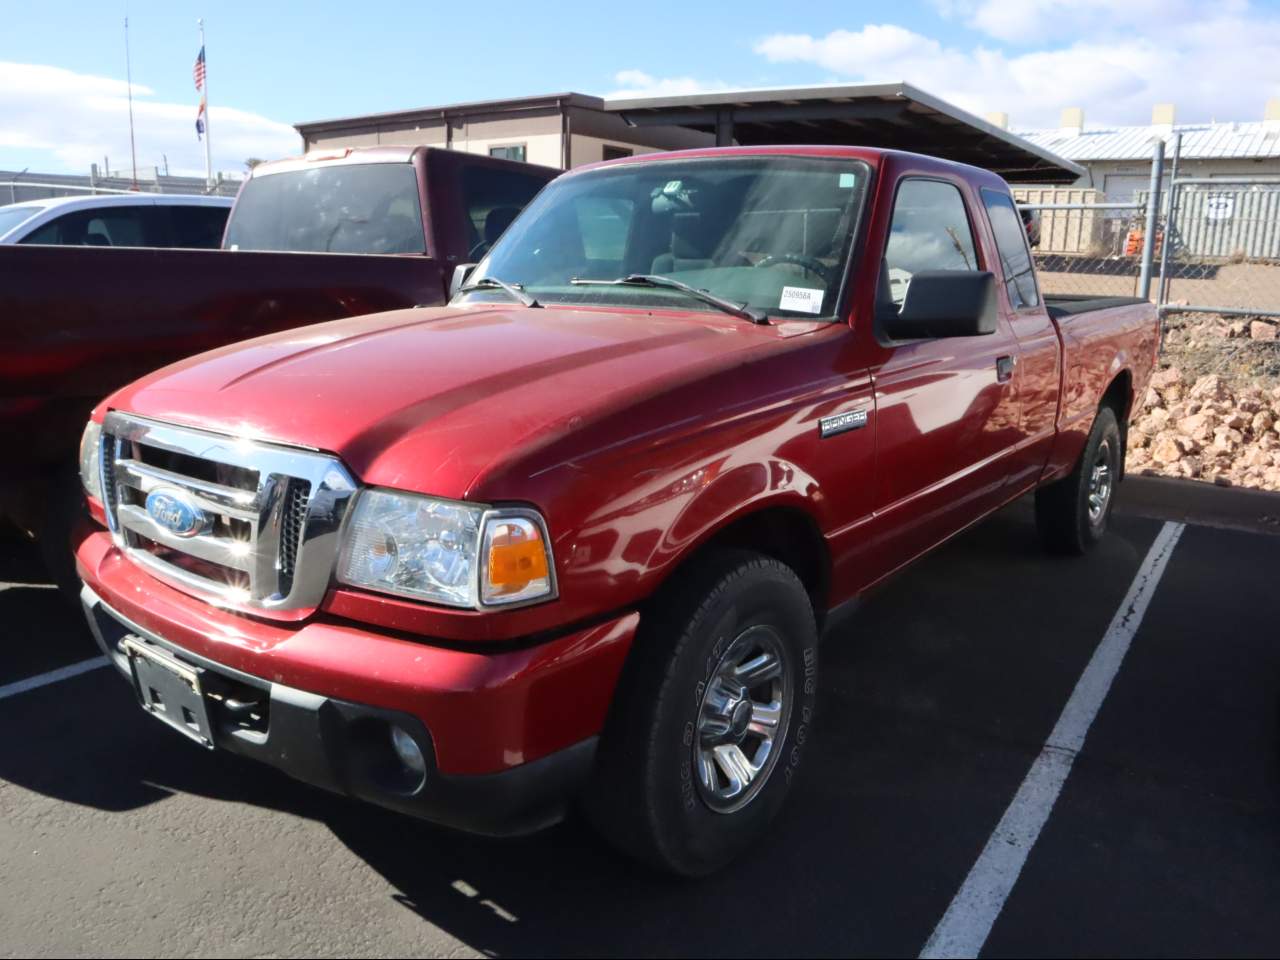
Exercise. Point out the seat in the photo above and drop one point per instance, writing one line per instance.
(496, 222)
(692, 245)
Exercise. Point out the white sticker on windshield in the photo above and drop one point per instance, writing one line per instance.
(801, 299)
(847, 180)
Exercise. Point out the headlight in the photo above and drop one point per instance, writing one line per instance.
(460, 554)
(91, 460)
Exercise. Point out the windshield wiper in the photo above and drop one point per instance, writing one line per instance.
(656, 280)
(493, 283)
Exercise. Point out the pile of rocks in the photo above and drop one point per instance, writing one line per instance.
(1207, 430)
(1254, 330)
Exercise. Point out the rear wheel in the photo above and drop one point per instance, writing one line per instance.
(1072, 513)
(707, 726)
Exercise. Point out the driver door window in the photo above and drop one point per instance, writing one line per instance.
(929, 231)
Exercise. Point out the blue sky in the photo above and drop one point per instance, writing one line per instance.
(274, 63)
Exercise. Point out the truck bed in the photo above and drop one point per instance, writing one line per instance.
(81, 321)
(1069, 304)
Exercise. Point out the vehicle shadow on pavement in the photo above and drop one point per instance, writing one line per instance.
(19, 558)
(919, 745)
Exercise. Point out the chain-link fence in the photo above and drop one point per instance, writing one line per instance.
(17, 187)
(1216, 247)
(1212, 266)
(1083, 245)
(1224, 248)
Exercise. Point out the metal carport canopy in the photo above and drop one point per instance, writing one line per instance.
(892, 115)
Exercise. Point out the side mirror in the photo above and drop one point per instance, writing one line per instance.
(945, 303)
(459, 278)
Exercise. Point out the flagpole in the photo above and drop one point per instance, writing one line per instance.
(128, 73)
(208, 150)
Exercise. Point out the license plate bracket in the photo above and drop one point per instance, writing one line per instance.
(168, 689)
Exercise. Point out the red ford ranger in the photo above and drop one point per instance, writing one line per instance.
(576, 535)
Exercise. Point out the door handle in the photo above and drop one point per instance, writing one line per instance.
(1004, 368)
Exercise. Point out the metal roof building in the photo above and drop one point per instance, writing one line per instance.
(1200, 141)
(1118, 159)
(894, 115)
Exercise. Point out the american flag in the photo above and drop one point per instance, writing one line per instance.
(197, 72)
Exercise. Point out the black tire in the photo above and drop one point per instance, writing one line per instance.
(1064, 517)
(647, 796)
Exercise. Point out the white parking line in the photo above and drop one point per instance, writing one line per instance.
(53, 676)
(964, 928)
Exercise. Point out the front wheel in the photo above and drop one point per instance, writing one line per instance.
(710, 717)
(1072, 513)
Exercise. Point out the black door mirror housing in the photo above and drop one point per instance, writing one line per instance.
(944, 303)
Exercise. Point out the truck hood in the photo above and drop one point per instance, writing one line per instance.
(426, 399)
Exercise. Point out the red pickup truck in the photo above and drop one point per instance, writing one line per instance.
(333, 234)
(576, 536)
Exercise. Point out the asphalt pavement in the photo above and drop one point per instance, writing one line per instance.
(938, 696)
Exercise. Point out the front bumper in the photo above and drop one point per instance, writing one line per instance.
(507, 736)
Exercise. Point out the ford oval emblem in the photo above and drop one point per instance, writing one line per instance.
(171, 509)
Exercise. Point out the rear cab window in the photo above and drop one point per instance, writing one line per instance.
(333, 208)
(1015, 255)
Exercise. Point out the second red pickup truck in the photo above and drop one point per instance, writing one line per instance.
(576, 535)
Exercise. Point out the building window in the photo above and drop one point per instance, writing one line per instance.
(513, 151)
(616, 153)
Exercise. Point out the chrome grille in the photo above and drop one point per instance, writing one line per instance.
(238, 521)
(295, 514)
(108, 471)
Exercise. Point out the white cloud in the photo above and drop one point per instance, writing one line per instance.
(1214, 63)
(637, 83)
(75, 119)
(1035, 21)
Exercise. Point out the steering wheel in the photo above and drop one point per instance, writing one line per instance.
(811, 264)
(478, 251)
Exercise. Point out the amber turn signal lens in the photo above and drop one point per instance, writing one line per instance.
(517, 560)
(514, 563)
(516, 555)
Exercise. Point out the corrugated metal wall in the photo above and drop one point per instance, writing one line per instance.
(1228, 222)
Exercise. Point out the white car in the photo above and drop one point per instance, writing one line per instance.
(118, 220)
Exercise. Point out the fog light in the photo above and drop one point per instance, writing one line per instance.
(407, 750)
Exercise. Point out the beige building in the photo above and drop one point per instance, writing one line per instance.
(559, 130)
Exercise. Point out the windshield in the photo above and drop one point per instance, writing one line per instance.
(11, 216)
(771, 233)
(339, 208)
